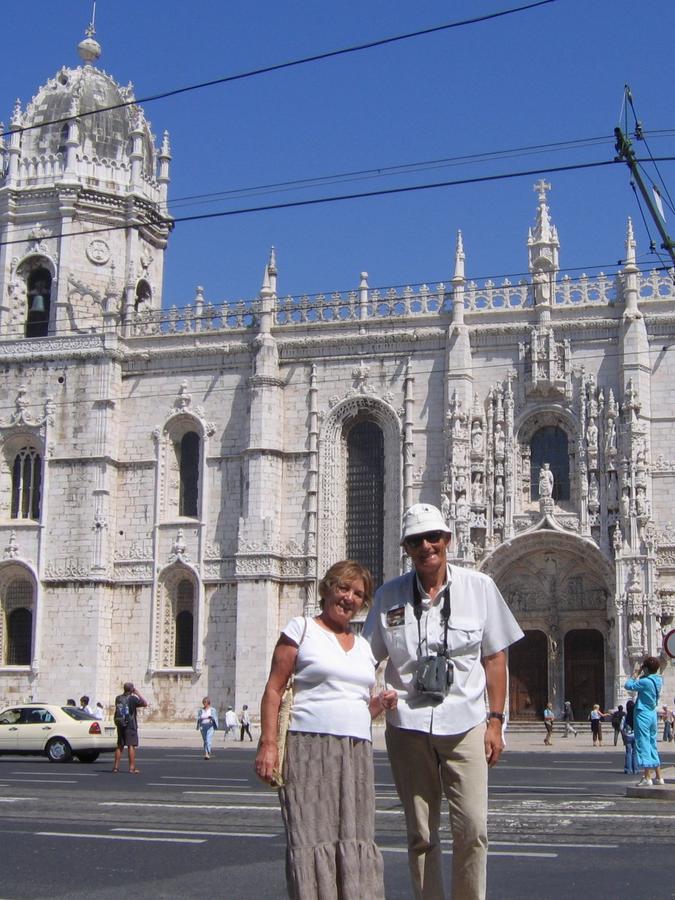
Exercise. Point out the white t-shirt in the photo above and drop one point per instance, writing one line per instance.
(480, 624)
(332, 686)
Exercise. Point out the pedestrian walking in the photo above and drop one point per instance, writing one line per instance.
(125, 718)
(617, 716)
(548, 723)
(245, 724)
(230, 724)
(207, 722)
(668, 722)
(630, 765)
(568, 718)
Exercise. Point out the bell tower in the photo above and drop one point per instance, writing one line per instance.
(83, 206)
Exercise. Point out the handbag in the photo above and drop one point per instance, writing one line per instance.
(283, 721)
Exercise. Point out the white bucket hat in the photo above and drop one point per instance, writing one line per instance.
(420, 518)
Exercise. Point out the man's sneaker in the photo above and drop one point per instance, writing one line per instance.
(645, 782)
(659, 781)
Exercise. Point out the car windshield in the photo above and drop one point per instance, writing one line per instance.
(76, 713)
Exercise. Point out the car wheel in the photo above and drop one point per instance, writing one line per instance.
(87, 756)
(58, 750)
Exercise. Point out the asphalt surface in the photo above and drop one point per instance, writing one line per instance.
(561, 826)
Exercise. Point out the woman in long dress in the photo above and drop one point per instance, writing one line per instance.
(328, 797)
(647, 683)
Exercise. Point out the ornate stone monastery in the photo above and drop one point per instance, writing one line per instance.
(172, 482)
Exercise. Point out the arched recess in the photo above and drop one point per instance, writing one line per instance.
(36, 274)
(182, 461)
(176, 619)
(534, 422)
(18, 614)
(21, 474)
(584, 653)
(554, 582)
(528, 676)
(332, 517)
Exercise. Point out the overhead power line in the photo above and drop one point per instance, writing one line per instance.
(360, 195)
(293, 63)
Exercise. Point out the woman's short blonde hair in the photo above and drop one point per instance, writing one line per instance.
(347, 570)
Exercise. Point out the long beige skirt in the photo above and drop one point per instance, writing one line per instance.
(328, 808)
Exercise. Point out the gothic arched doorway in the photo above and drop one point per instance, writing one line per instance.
(528, 676)
(584, 670)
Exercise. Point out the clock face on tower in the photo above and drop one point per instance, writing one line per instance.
(98, 252)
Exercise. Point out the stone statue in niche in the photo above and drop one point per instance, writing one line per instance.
(460, 485)
(641, 502)
(462, 509)
(545, 482)
(610, 438)
(592, 435)
(593, 493)
(499, 495)
(612, 492)
(542, 287)
(476, 437)
(625, 503)
(445, 508)
(477, 497)
(617, 540)
(635, 633)
(500, 442)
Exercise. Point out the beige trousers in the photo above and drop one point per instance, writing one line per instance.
(426, 766)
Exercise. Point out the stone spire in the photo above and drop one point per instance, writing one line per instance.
(542, 240)
(458, 282)
(630, 273)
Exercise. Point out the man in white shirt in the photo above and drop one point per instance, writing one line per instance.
(438, 740)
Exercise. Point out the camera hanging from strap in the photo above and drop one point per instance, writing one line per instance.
(445, 614)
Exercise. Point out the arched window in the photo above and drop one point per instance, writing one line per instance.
(365, 496)
(17, 610)
(550, 445)
(188, 468)
(26, 484)
(143, 294)
(184, 623)
(19, 637)
(39, 290)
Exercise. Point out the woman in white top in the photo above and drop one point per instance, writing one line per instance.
(207, 722)
(328, 796)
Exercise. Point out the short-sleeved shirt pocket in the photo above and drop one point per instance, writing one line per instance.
(464, 636)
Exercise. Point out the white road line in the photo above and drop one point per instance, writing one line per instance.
(490, 852)
(213, 793)
(189, 806)
(260, 834)
(121, 837)
(16, 799)
(77, 774)
(203, 778)
(571, 814)
(533, 788)
(556, 845)
(42, 780)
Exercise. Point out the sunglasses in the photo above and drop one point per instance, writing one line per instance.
(431, 537)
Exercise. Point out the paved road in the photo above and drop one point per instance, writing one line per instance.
(560, 826)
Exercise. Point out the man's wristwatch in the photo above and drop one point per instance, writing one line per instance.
(496, 715)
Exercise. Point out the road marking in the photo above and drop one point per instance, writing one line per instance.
(43, 780)
(189, 806)
(120, 837)
(15, 799)
(533, 788)
(572, 814)
(203, 778)
(490, 852)
(78, 774)
(259, 834)
(556, 845)
(215, 793)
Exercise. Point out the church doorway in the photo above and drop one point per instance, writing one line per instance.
(528, 676)
(584, 670)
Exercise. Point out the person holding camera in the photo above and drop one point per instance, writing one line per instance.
(647, 683)
(444, 630)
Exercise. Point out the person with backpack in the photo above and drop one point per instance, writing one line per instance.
(617, 716)
(126, 705)
(630, 766)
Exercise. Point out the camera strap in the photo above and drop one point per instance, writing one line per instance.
(417, 609)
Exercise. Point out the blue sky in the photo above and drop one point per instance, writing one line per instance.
(545, 76)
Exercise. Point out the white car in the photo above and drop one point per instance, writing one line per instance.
(57, 732)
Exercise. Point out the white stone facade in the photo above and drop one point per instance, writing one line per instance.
(130, 567)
